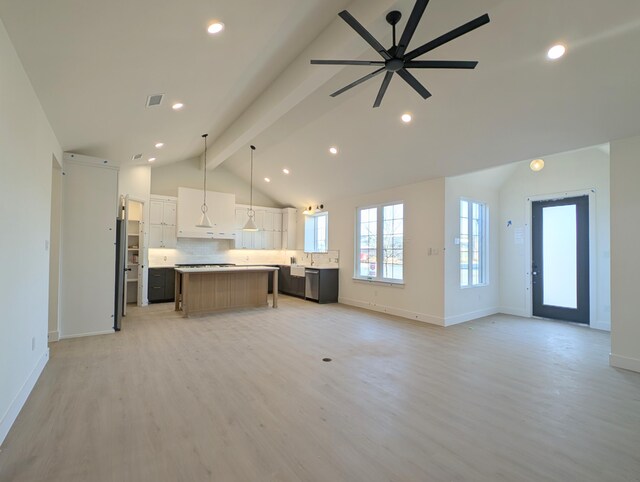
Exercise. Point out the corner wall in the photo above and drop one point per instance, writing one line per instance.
(422, 296)
(580, 170)
(27, 144)
(625, 263)
(465, 304)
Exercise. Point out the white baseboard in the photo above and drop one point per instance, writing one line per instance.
(434, 320)
(53, 336)
(601, 325)
(624, 362)
(473, 315)
(81, 335)
(514, 312)
(18, 402)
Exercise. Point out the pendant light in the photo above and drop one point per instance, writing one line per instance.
(251, 224)
(205, 222)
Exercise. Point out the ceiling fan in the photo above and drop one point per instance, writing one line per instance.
(396, 60)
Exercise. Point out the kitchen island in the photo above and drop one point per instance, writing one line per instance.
(205, 290)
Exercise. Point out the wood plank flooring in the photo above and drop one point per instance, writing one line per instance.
(245, 396)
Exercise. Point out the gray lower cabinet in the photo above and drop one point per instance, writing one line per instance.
(327, 284)
(322, 285)
(161, 285)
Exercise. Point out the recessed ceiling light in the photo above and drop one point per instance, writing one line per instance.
(177, 106)
(556, 52)
(406, 118)
(215, 27)
(266, 179)
(285, 170)
(151, 159)
(333, 150)
(537, 165)
(159, 145)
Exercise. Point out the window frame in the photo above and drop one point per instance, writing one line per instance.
(483, 241)
(379, 278)
(315, 217)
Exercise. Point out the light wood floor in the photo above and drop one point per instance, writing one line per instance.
(247, 397)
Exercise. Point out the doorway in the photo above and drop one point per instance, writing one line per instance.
(560, 259)
(54, 249)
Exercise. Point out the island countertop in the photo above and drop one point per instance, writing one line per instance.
(218, 269)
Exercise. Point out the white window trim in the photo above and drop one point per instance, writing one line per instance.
(315, 232)
(484, 256)
(379, 245)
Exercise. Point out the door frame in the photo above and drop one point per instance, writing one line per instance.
(591, 193)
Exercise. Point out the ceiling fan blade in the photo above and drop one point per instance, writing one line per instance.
(383, 89)
(347, 62)
(448, 37)
(440, 64)
(413, 82)
(412, 25)
(358, 82)
(364, 33)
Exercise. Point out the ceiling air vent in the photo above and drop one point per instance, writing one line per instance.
(137, 157)
(154, 100)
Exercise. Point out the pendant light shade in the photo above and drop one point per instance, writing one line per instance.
(250, 225)
(205, 222)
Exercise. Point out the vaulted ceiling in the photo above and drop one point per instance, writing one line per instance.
(94, 63)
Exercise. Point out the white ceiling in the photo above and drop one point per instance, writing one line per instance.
(93, 64)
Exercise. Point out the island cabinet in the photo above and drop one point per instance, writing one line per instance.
(161, 285)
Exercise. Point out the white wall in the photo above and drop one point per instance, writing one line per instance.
(165, 181)
(27, 144)
(54, 249)
(573, 171)
(135, 181)
(625, 263)
(464, 304)
(422, 296)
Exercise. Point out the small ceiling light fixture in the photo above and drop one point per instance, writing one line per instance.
(333, 150)
(215, 27)
(556, 52)
(406, 118)
(286, 171)
(177, 106)
(205, 222)
(251, 224)
(266, 179)
(159, 145)
(536, 165)
(151, 159)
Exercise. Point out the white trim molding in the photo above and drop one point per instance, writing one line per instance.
(81, 335)
(53, 336)
(473, 315)
(618, 361)
(410, 315)
(18, 402)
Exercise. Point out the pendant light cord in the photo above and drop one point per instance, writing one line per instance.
(253, 148)
(205, 208)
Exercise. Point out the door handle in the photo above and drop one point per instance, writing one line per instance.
(535, 273)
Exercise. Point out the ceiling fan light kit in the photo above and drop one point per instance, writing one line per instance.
(396, 60)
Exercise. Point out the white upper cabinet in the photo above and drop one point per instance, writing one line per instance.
(162, 222)
(221, 211)
(271, 227)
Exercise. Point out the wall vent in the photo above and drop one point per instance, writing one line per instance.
(137, 157)
(154, 100)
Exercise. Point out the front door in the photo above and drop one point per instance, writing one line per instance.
(560, 268)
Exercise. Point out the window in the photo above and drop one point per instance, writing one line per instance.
(473, 243)
(380, 243)
(316, 233)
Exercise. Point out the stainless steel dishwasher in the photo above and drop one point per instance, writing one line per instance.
(312, 284)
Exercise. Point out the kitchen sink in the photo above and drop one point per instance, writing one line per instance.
(297, 271)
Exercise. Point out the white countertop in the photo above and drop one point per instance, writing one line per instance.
(219, 269)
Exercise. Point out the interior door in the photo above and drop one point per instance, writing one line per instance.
(560, 267)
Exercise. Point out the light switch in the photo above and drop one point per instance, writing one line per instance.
(46, 245)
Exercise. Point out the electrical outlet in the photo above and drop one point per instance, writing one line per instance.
(33, 343)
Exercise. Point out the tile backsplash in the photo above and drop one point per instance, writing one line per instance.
(193, 250)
